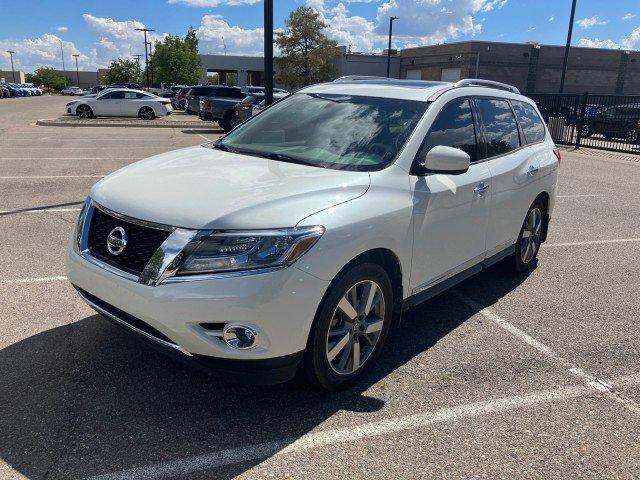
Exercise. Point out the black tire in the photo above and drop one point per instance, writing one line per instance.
(586, 131)
(147, 113)
(523, 259)
(633, 135)
(225, 123)
(316, 366)
(71, 94)
(84, 111)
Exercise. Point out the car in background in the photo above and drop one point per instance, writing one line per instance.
(4, 91)
(251, 90)
(253, 104)
(219, 106)
(192, 103)
(620, 121)
(72, 91)
(120, 102)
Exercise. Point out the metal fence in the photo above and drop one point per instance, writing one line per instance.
(610, 122)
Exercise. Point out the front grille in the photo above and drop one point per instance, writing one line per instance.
(142, 242)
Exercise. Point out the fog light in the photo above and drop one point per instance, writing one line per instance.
(240, 336)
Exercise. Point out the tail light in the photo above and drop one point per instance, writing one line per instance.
(556, 152)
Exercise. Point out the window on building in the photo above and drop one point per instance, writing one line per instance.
(500, 131)
(453, 127)
(529, 121)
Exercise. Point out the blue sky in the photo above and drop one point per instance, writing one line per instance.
(100, 31)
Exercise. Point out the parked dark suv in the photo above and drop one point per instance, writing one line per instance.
(192, 104)
(620, 121)
(219, 105)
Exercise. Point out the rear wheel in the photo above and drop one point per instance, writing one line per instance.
(586, 130)
(633, 135)
(530, 237)
(350, 328)
(147, 113)
(84, 111)
(225, 123)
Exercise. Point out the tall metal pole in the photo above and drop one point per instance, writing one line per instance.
(146, 57)
(151, 62)
(566, 50)
(13, 72)
(63, 70)
(391, 19)
(75, 55)
(268, 52)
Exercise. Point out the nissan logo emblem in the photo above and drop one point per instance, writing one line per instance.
(116, 241)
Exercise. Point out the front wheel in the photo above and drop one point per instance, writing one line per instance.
(586, 131)
(84, 111)
(633, 135)
(147, 113)
(530, 238)
(350, 328)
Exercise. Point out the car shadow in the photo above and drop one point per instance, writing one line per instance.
(86, 398)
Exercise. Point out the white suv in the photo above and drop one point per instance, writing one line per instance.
(291, 243)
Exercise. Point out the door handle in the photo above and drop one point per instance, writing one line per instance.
(481, 188)
(532, 169)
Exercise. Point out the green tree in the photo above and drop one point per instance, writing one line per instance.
(47, 76)
(123, 71)
(176, 60)
(306, 54)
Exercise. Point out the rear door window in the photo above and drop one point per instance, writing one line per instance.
(454, 127)
(530, 122)
(499, 129)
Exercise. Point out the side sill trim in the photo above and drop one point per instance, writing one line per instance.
(127, 326)
(447, 283)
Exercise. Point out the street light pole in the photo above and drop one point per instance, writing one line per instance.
(63, 70)
(146, 57)
(566, 50)
(75, 55)
(391, 19)
(13, 72)
(268, 52)
(151, 62)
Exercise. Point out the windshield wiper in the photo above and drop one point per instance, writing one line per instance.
(283, 157)
(222, 147)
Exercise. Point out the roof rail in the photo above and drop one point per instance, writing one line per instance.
(476, 82)
(350, 78)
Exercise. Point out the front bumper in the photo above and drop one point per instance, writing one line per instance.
(279, 304)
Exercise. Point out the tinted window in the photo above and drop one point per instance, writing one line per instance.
(113, 96)
(500, 129)
(453, 128)
(131, 95)
(529, 121)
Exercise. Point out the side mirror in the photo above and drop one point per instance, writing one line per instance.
(447, 160)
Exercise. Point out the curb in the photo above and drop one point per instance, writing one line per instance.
(110, 123)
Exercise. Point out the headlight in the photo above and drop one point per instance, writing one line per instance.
(77, 234)
(228, 251)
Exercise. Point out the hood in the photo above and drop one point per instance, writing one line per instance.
(198, 187)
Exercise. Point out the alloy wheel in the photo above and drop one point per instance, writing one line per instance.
(84, 111)
(146, 114)
(531, 234)
(632, 136)
(355, 327)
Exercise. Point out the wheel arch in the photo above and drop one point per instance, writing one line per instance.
(545, 199)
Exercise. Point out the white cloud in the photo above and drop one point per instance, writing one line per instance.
(62, 29)
(239, 41)
(591, 21)
(493, 4)
(631, 42)
(628, 16)
(551, 18)
(212, 3)
(32, 53)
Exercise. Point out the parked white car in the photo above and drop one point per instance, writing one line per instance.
(120, 102)
(72, 91)
(291, 243)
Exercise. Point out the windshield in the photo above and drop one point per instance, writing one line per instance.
(345, 132)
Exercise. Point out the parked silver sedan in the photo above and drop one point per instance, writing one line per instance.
(121, 102)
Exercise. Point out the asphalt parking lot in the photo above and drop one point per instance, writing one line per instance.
(506, 376)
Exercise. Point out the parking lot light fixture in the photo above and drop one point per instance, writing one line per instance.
(13, 72)
(146, 56)
(75, 55)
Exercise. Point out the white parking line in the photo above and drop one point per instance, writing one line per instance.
(32, 280)
(36, 177)
(207, 461)
(587, 378)
(582, 195)
(592, 242)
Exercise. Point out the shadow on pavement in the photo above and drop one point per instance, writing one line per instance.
(87, 399)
